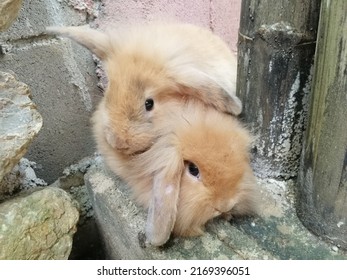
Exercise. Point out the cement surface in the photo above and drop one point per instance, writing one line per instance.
(276, 233)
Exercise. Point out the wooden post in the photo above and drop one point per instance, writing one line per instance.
(276, 49)
(322, 180)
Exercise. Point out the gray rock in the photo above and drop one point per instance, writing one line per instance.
(19, 122)
(38, 226)
(8, 12)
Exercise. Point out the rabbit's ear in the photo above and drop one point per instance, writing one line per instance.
(110, 137)
(97, 42)
(215, 97)
(163, 205)
(233, 104)
(212, 91)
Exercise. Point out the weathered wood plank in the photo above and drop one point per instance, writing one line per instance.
(276, 49)
(323, 173)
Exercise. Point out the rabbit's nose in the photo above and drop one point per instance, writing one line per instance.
(121, 144)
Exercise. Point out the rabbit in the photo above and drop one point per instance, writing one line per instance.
(149, 64)
(197, 168)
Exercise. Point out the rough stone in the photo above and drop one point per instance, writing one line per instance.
(38, 226)
(276, 233)
(19, 121)
(8, 12)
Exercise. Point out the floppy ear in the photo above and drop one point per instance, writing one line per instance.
(97, 42)
(110, 137)
(212, 90)
(163, 205)
(215, 97)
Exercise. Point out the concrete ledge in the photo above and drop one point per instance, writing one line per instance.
(275, 234)
(121, 224)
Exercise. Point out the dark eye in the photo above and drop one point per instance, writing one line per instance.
(149, 103)
(193, 169)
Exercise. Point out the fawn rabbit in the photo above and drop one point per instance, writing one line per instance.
(197, 168)
(147, 65)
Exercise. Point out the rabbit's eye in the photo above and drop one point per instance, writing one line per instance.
(149, 103)
(193, 169)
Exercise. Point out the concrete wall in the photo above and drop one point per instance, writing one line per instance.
(221, 16)
(61, 74)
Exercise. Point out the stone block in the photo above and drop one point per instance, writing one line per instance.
(38, 226)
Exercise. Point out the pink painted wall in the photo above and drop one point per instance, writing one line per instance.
(221, 16)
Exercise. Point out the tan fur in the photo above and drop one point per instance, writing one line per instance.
(191, 76)
(157, 61)
(189, 131)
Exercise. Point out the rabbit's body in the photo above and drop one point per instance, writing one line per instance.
(152, 63)
(165, 124)
(189, 132)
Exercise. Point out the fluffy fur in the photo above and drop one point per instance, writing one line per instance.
(188, 132)
(157, 61)
(190, 74)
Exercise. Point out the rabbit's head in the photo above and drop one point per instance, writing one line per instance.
(149, 65)
(204, 172)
